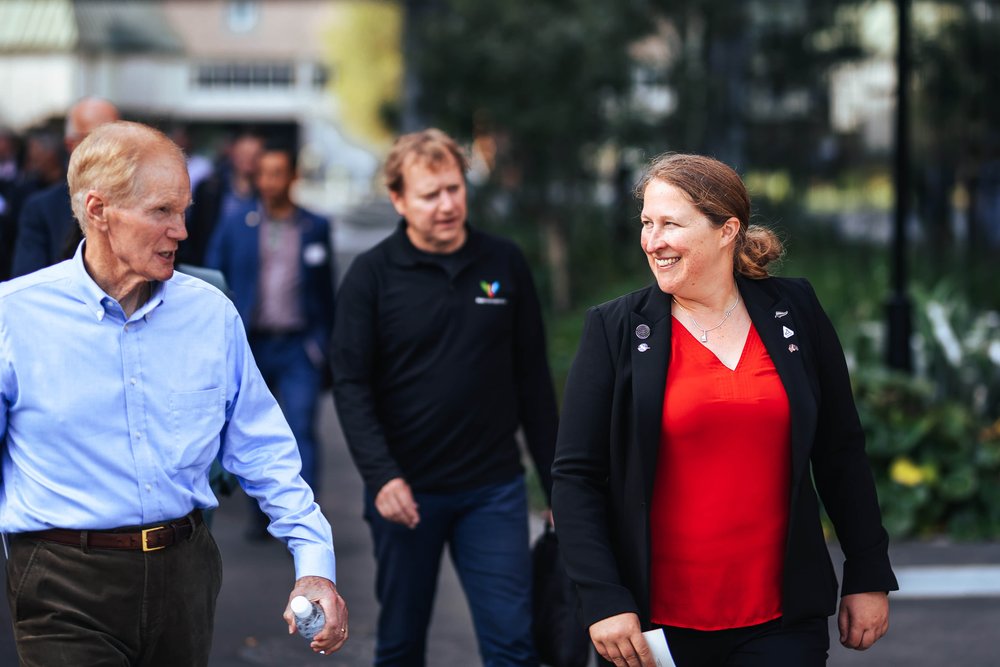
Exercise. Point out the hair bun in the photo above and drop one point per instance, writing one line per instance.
(760, 247)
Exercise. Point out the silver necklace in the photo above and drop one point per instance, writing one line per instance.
(703, 330)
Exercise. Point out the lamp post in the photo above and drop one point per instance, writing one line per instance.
(899, 356)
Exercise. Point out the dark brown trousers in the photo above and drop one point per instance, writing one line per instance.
(112, 608)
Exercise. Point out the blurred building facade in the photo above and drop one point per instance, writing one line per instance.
(208, 64)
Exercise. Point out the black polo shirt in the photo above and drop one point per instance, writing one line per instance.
(437, 359)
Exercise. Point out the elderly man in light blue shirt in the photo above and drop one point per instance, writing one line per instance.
(120, 383)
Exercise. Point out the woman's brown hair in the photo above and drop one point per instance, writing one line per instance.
(719, 193)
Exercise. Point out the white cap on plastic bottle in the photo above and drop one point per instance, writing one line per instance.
(301, 606)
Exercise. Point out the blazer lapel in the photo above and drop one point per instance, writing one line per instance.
(778, 329)
(649, 345)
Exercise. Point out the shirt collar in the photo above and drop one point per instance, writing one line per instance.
(96, 299)
(402, 251)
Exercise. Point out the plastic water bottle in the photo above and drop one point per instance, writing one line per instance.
(309, 617)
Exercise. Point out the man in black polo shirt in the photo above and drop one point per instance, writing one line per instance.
(438, 356)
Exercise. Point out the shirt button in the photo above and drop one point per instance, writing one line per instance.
(149, 488)
(138, 436)
(126, 327)
(133, 380)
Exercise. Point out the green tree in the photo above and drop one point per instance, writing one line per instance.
(752, 79)
(956, 94)
(541, 81)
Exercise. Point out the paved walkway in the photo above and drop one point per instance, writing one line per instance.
(953, 622)
(249, 630)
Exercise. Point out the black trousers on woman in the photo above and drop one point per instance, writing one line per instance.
(800, 644)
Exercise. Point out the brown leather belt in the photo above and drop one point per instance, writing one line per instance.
(153, 538)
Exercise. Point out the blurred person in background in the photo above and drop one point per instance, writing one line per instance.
(46, 231)
(110, 420)
(438, 356)
(9, 171)
(199, 167)
(278, 262)
(44, 162)
(9, 166)
(226, 192)
(697, 414)
(44, 165)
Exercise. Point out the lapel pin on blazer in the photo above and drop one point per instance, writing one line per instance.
(778, 314)
(642, 347)
(642, 332)
(787, 332)
(793, 348)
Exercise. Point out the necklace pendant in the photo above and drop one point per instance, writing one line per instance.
(704, 336)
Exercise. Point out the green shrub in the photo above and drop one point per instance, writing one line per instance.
(937, 469)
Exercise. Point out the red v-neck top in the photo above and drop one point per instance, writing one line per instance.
(720, 503)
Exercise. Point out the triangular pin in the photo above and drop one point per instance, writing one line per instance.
(787, 332)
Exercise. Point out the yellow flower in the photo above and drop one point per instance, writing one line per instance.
(904, 471)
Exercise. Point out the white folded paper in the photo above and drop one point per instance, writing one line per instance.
(657, 642)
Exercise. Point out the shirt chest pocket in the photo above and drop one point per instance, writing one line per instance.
(196, 419)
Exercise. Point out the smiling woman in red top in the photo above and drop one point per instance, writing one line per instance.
(696, 416)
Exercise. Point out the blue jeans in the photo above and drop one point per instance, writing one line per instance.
(486, 531)
(294, 380)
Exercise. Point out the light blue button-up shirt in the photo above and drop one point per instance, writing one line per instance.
(113, 421)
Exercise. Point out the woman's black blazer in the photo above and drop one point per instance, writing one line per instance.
(609, 436)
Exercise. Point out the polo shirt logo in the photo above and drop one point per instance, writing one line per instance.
(490, 289)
